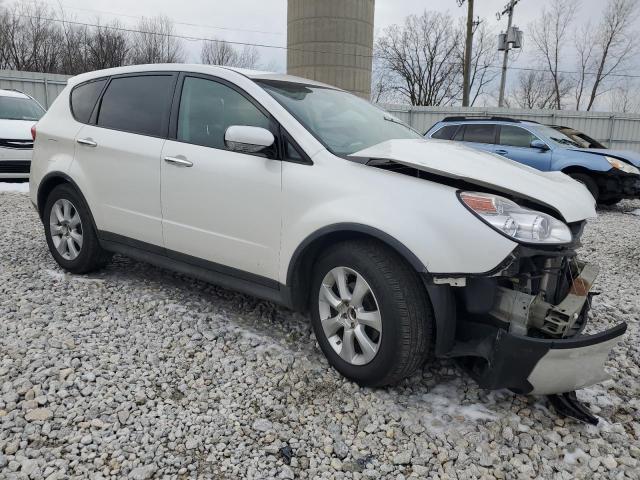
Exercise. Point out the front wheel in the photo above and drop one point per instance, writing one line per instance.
(371, 313)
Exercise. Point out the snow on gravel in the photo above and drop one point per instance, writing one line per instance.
(135, 371)
(21, 187)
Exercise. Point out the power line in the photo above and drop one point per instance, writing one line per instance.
(214, 27)
(280, 47)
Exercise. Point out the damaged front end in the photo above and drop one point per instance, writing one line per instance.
(521, 327)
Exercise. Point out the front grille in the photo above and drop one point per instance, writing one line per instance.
(16, 144)
(16, 166)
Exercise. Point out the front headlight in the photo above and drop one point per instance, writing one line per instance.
(620, 165)
(514, 221)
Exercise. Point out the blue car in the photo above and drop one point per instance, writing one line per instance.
(610, 175)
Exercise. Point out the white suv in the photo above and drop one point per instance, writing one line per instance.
(296, 192)
(18, 113)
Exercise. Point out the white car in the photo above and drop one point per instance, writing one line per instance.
(18, 113)
(287, 189)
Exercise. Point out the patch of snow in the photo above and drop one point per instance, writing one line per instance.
(76, 278)
(445, 400)
(22, 187)
(575, 456)
(635, 212)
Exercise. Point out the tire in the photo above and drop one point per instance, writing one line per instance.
(406, 322)
(73, 245)
(588, 182)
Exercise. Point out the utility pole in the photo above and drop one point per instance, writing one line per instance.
(466, 71)
(508, 9)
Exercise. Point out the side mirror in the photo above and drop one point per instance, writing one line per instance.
(539, 144)
(244, 139)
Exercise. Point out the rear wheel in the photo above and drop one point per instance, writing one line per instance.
(588, 182)
(71, 238)
(370, 313)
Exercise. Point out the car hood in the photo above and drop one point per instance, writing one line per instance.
(568, 197)
(632, 157)
(16, 129)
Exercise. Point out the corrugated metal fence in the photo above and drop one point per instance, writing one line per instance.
(44, 87)
(617, 130)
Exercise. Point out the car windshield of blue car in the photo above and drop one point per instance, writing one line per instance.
(343, 122)
(15, 108)
(556, 136)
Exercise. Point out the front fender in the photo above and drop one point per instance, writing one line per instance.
(425, 217)
(564, 159)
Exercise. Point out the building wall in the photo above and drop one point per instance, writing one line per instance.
(44, 87)
(331, 41)
(620, 131)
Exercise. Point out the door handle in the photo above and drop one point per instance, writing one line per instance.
(87, 141)
(501, 152)
(178, 162)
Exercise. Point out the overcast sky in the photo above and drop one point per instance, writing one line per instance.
(264, 21)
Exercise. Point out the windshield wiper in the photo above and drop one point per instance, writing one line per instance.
(398, 122)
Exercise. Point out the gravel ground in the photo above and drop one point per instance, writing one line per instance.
(138, 372)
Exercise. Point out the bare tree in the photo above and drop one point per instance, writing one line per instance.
(535, 89)
(382, 84)
(585, 51)
(219, 52)
(483, 55)
(421, 56)
(549, 34)
(107, 46)
(614, 43)
(30, 41)
(624, 98)
(155, 42)
(34, 37)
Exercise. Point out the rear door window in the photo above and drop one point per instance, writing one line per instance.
(479, 133)
(516, 136)
(137, 104)
(83, 99)
(445, 133)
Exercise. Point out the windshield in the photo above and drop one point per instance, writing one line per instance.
(582, 139)
(341, 121)
(557, 137)
(16, 108)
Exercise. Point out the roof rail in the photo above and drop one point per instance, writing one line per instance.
(483, 119)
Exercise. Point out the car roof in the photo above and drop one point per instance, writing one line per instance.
(12, 93)
(195, 68)
(497, 120)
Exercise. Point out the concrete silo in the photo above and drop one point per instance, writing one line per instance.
(331, 41)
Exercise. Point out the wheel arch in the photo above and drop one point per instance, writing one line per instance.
(576, 169)
(299, 275)
(50, 181)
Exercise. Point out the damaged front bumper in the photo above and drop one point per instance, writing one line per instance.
(517, 339)
(536, 365)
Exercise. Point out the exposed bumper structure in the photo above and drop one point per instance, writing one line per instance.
(544, 366)
(527, 344)
(617, 184)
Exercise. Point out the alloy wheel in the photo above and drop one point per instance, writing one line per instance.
(66, 229)
(350, 316)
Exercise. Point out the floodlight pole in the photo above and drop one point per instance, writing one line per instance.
(503, 80)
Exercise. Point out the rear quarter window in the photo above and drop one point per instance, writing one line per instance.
(84, 97)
